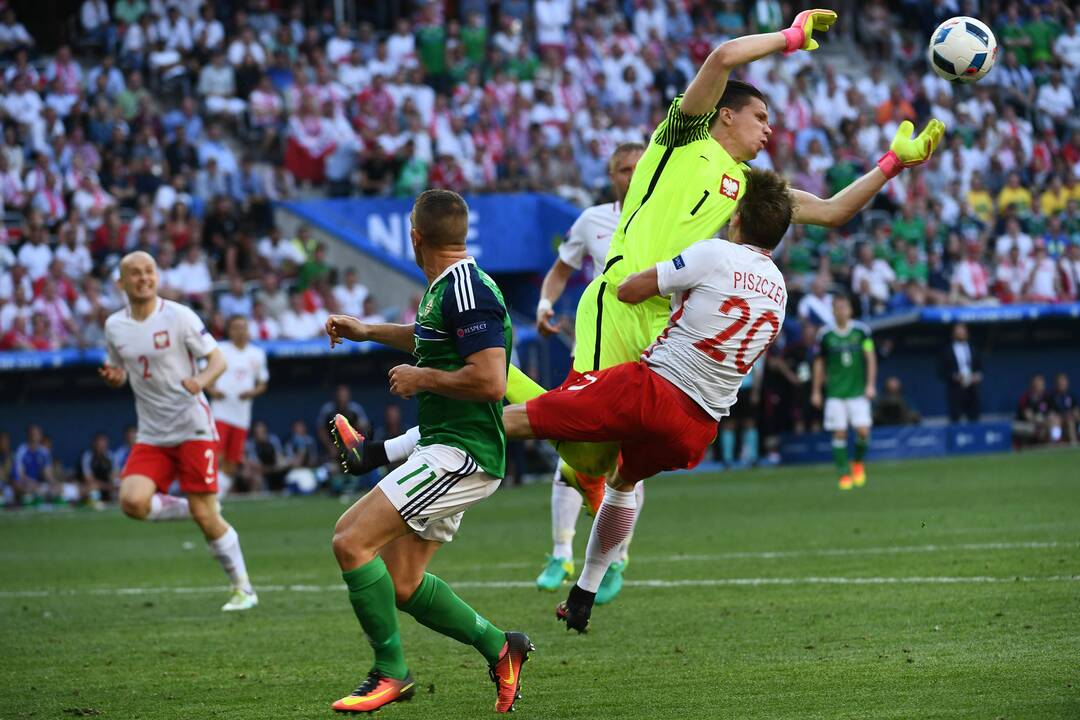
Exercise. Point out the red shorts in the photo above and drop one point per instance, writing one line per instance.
(194, 462)
(231, 440)
(658, 426)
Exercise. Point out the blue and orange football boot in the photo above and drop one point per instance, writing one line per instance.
(377, 690)
(858, 474)
(506, 672)
(591, 488)
(350, 444)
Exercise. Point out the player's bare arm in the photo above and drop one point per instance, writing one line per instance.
(708, 85)
(345, 327)
(114, 377)
(550, 291)
(904, 152)
(254, 392)
(817, 382)
(639, 287)
(215, 365)
(481, 379)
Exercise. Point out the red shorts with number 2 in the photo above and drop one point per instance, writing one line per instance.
(194, 462)
(657, 425)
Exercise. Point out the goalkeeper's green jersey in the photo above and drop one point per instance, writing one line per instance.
(845, 361)
(684, 189)
(462, 313)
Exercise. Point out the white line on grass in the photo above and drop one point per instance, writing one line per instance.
(522, 584)
(821, 552)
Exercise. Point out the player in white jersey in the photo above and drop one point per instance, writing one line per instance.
(590, 235)
(727, 301)
(155, 343)
(245, 378)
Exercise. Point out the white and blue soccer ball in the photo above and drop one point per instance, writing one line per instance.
(962, 49)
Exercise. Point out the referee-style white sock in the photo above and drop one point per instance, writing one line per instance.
(613, 524)
(401, 447)
(166, 507)
(227, 551)
(565, 507)
(624, 549)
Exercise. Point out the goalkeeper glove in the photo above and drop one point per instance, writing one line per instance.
(798, 36)
(907, 152)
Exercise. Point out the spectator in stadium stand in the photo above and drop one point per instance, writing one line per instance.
(1066, 407)
(891, 408)
(1037, 421)
(300, 448)
(191, 277)
(297, 322)
(961, 369)
(1010, 276)
(1013, 236)
(263, 327)
(970, 280)
(17, 336)
(1043, 282)
(1070, 272)
(32, 468)
(97, 473)
(351, 294)
(57, 313)
(264, 463)
(314, 267)
(273, 297)
(816, 305)
(872, 280)
(343, 404)
(42, 336)
(35, 254)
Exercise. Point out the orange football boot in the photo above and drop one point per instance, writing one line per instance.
(858, 474)
(591, 488)
(845, 482)
(377, 690)
(349, 442)
(506, 673)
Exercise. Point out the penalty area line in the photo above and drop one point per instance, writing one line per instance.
(522, 584)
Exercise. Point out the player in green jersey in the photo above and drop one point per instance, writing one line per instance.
(461, 340)
(685, 188)
(847, 369)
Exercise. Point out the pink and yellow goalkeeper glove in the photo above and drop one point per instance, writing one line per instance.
(907, 152)
(798, 36)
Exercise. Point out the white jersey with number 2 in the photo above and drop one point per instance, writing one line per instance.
(727, 306)
(158, 353)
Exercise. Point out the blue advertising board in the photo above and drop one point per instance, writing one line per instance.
(906, 442)
(508, 233)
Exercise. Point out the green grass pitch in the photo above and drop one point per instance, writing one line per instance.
(944, 589)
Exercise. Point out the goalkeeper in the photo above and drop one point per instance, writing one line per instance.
(685, 188)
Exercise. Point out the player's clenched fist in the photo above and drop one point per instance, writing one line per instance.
(800, 35)
(406, 380)
(345, 327)
(112, 375)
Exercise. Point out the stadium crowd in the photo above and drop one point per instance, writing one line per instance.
(173, 125)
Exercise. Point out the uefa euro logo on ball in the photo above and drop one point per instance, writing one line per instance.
(962, 49)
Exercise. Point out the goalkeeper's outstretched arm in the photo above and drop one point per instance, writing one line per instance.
(708, 85)
(904, 152)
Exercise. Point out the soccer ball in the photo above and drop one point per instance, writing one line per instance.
(962, 49)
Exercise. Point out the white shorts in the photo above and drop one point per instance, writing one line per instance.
(841, 412)
(434, 488)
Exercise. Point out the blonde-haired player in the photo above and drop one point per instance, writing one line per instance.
(154, 344)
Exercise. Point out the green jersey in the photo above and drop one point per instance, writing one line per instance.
(462, 313)
(685, 188)
(845, 361)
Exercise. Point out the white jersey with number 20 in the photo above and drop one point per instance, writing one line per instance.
(158, 353)
(727, 306)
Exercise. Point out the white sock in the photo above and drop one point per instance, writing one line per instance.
(565, 506)
(624, 549)
(167, 507)
(224, 483)
(613, 524)
(227, 551)
(401, 447)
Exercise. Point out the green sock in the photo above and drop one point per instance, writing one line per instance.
(839, 454)
(861, 446)
(436, 606)
(371, 592)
